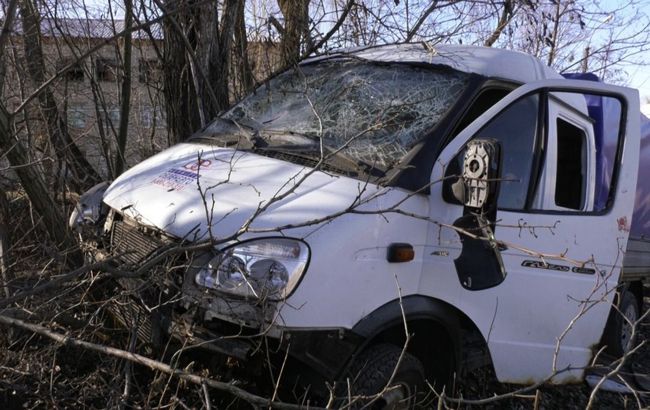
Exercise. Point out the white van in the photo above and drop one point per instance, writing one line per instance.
(470, 198)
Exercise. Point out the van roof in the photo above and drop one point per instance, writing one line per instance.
(486, 61)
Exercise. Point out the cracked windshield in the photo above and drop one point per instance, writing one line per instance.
(371, 113)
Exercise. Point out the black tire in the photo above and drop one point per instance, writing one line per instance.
(369, 375)
(618, 331)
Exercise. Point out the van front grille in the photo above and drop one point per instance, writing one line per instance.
(130, 244)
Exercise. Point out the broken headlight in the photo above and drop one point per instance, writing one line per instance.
(261, 268)
(90, 209)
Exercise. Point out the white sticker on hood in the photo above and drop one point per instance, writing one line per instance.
(176, 179)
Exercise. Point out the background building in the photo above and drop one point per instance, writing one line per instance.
(87, 89)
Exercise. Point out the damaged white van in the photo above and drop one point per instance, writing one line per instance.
(468, 205)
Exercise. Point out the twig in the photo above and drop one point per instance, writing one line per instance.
(54, 283)
(423, 17)
(407, 339)
(150, 363)
(621, 361)
(277, 383)
(128, 372)
(206, 394)
(335, 28)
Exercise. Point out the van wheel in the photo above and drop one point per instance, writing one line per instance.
(370, 373)
(618, 331)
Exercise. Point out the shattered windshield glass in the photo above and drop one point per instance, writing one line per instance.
(372, 113)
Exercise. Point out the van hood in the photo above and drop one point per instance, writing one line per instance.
(191, 187)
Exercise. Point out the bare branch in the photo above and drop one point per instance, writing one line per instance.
(150, 363)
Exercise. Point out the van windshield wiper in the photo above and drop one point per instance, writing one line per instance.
(286, 139)
(305, 144)
(363, 166)
(229, 131)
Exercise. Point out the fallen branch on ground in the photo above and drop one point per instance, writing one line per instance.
(150, 363)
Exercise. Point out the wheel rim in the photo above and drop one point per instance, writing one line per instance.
(396, 398)
(627, 326)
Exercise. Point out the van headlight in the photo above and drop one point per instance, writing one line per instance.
(261, 268)
(90, 209)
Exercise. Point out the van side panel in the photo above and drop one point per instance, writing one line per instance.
(636, 262)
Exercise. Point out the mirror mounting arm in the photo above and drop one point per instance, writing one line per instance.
(477, 187)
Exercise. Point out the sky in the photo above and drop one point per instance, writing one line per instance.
(639, 73)
(640, 79)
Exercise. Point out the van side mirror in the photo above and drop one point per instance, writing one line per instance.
(479, 265)
(477, 185)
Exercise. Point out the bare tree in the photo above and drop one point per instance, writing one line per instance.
(295, 30)
(82, 173)
(125, 96)
(29, 176)
(507, 13)
(198, 47)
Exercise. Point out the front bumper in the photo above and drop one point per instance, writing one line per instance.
(310, 356)
(166, 303)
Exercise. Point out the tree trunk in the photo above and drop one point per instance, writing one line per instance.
(31, 181)
(178, 87)
(125, 102)
(504, 20)
(5, 241)
(35, 187)
(197, 59)
(553, 42)
(243, 66)
(67, 152)
(4, 37)
(296, 26)
(221, 64)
